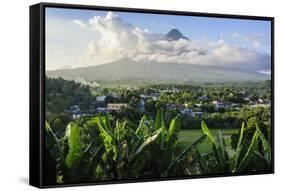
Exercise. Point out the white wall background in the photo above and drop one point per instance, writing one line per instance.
(14, 38)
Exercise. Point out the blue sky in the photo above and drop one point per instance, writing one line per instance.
(72, 42)
(190, 26)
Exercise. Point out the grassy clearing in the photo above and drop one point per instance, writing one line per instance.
(186, 137)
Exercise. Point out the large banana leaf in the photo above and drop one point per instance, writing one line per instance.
(238, 148)
(174, 126)
(187, 151)
(74, 152)
(120, 130)
(221, 146)
(148, 141)
(140, 129)
(265, 145)
(106, 136)
(55, 147)
(223, 155)
(51, 139)
(159, 121)
(106, 124)
(250, 152)
(218, 148)
(88, 163)
(207, 132)
(203, 164)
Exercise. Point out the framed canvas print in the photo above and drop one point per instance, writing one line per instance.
(127, 95)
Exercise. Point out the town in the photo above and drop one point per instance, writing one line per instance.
(111, 102)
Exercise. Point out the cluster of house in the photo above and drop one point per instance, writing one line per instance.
(101, 105)
(98, 106)
(225, 105)
(75, 111)
(237, 106)
(261, 102)
(183, 109)
(153, 96)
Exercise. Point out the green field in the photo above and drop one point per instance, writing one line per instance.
(187, 137)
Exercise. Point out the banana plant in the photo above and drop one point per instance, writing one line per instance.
(264, 156)
(265, 144)
(123, 157)
(72, 163)
(264, 159)
(244, 153)
(56, 149)
(119, 151)
(149, 151)
(165, 159)
(218, 149)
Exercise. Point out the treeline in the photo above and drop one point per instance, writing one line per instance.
(61, 94)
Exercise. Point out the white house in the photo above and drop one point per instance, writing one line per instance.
(185, 111)
(247, 99)
(198, 114)
(154, 96)
(218, 105)
(116, 106)
(100, 98)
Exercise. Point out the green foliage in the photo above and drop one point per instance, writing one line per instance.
(253, 117)
(72, 164)
(187, 151)
(175, 125)
(124, 153)
(238, 148)
(207, 132)
(247, 157)
(265, 144)
(55, 148)
(74, 152)
(219, 161)
(159, 121)
(148, 141)
(107, 135)
(99, 148)
(61, 94)
(218, 147)
(129, 143)
(190, 122)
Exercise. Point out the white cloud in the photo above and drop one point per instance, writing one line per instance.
(66, 43)
(256, 44)
(110, 39)
(254, 39)
(79, 22)
(119, 40)
(268, 72)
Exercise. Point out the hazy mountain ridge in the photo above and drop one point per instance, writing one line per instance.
(126, 69)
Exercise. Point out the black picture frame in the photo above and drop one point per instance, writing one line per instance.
(37, 88)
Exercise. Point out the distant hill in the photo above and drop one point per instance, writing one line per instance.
(174, 34)
(127, 69)
(155, 72)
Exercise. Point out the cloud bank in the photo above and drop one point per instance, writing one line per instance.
(123, 40)
(104, 39)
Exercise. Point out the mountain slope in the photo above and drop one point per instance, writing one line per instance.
(174, 34)
(126, 69)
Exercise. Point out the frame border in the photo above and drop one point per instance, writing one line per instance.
(43, 6)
